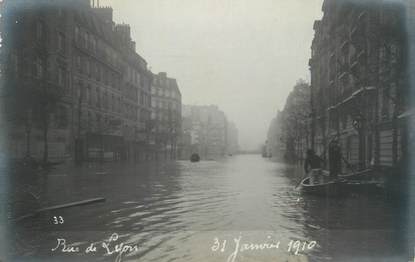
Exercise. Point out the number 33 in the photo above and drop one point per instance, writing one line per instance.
(58, 220)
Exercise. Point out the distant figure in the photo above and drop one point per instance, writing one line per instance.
(312, 161)
(335, 158)
(195, 157)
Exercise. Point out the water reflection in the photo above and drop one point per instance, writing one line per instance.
(174, 210)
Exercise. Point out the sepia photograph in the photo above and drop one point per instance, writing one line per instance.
(207, 130)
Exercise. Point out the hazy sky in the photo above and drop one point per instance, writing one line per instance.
(243, 55)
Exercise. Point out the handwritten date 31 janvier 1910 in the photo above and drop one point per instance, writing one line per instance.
(237, 246)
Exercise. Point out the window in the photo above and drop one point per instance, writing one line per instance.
(93, 43)
(61, 42)
(98, 73)
(89, 121)
(38, 68)
(92, 69)
(382, 52)
(105, 76)
(141, 98)
(98, 117)
(83, 39)
(61, 77)
(78, 62)
(105, 100)
(385, 103)
(39, 30)
(113, 103)
(61, 118)
(88, 95)
(77, 38)
(393, 53)
(98, 101)
(80, 91)
(344, 121)
(88, 68)
(87, 44)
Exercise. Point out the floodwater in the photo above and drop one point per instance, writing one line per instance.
(242, 208)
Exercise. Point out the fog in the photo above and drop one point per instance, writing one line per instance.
(242, 55)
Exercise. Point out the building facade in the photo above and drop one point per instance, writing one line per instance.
(359, 81)
(89, 90)
(205, 128)
(274, 146)
(166, 101)
(289, 132)
(232, 141)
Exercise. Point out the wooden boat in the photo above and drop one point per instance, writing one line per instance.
(194, 158)
(326, 188)
(362, 187)
(359, 175)
(362, 175)
(320, 183)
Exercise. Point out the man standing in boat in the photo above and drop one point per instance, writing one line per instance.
(312, 161)
(335, 158)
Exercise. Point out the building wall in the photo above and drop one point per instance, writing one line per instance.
(358, 80)
(166, 115)
(103, 84)
(207, 131)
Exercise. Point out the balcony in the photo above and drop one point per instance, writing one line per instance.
(96, 56)
(344, 45)
(353, 32)
(360, 55)
(354, 66)
(361, 16)
(343, 75)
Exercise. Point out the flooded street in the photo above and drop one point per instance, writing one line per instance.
(182, 211)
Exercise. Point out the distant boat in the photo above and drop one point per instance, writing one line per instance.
(194, 158)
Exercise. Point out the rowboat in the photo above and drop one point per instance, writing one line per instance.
(362, 187)
(327, 188)
(359, 175)
(318, 182)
